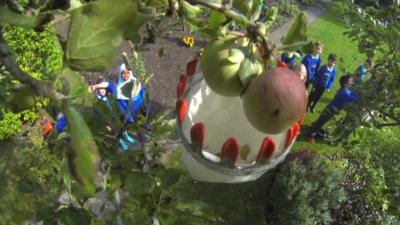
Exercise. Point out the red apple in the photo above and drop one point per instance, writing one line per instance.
(275, 100)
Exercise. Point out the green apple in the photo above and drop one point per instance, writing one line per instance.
(220, 64)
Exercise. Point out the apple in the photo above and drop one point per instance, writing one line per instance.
(301, 70)
(220, 64)
(275, 100)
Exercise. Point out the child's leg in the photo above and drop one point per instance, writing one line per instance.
(320, 122)
(318, 92)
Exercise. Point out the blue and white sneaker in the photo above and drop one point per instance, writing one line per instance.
(122, 145)
(128, 138)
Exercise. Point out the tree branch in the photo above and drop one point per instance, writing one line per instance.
(380, 125)
(251, 26)
(42, 89)
(389, 115)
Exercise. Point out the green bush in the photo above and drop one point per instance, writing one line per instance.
(38, 53)
(288, 7)
(30, 177)
(372, 178)
(303, 191)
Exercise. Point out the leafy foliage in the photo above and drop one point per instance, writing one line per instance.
(30, 176)
(376, 31)
(298, 195)
(372, 178)
(96, 31)
(38, 53)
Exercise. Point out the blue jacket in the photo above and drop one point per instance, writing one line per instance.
(342, 97)
(287, 60)
(312, 64)
(290, 61)
(325, 78)
(361, 71)
(137, 102)
(61, 124)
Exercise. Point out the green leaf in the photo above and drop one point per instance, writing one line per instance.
(170, 177)
(23, 99)
(139, 183)
(297, 31)
(96, 31)
(190, 10)
(83, 155)
(77, 85)
(132, 30)
(127, 88)
(72, 216)
(193, 24)
(272, 14)
(67, 178)
(216, 19)
(243, 6)
(248, 69)
(196, 207)
(9, 17)
(245, 151)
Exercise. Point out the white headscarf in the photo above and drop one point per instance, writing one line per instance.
(121, 82)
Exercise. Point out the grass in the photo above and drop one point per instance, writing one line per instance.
(329, 30)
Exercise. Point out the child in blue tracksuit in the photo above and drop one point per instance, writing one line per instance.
(323, 80)
(342, 98)
(361, 71)
(126, 87)
(290, 60)
(312, 63)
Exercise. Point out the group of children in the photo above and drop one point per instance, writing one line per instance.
(129, 95)
(322, 79)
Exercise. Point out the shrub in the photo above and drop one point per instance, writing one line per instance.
(303, 192)
(372, 178)
(38, 53)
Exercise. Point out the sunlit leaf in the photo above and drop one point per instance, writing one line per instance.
(248, 69)
(96, 31)
(77, 85)
(195, 207)
(216, 19)
(83, 156)
(190, 10)
(297, 31)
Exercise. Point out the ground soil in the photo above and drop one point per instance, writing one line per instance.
(166, 69)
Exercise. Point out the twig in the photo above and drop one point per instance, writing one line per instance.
(251, 26)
